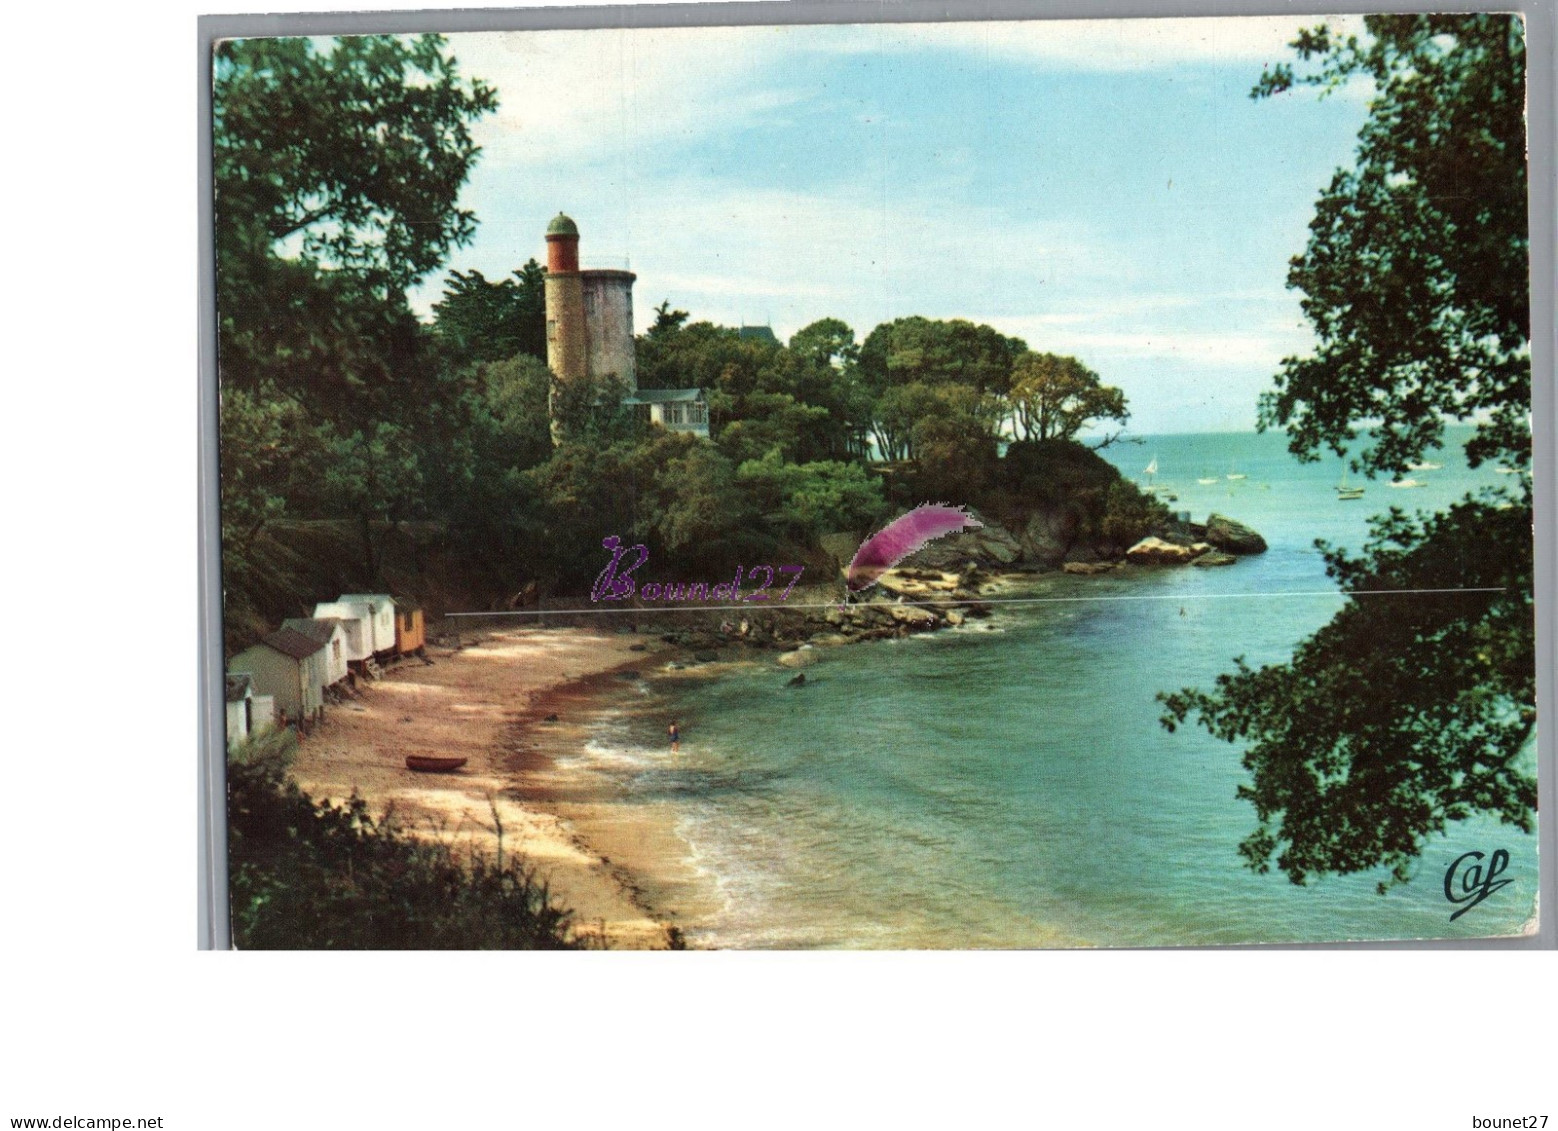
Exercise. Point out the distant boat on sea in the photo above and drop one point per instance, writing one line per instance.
(1235, 474)
(1207, 480)
(1425, 466)
(1407, 483)
(1344, 493)
(1507, 470)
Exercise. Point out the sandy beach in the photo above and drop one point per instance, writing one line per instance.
(488, 702)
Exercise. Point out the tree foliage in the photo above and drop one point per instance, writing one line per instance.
(337, 171)
(478, 320)
(1055, 397)
(1410, 710)
(1416, 273)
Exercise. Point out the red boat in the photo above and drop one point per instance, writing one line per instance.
(432, 763)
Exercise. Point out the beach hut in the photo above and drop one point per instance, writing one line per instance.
(290, 668)
(410, 628)
(240, 697)
(381, 612)
(262, 713)
(356, 621)
(331, 635)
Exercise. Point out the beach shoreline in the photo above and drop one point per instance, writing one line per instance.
(519, 703)
(487, 700)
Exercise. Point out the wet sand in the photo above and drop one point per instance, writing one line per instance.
(488, 702)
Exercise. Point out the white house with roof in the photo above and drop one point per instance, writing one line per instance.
(330, 632)
(356, 621)
(381, 609)
(247, 713)
(240, 697)
(290, 668)
(679, 410)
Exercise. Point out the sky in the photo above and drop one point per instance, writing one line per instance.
(1104, 189)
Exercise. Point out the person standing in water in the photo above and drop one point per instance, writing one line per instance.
(676, 737)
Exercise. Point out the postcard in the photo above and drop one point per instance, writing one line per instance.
(973, 484)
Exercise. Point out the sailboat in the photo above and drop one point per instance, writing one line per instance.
(1425, 465)
(1232, 474)
(1154, 490)
(1207, 480)
(1345, 493)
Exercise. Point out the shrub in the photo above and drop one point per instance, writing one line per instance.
(307, 876)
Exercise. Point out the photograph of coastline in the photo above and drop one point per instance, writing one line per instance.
(569, 381)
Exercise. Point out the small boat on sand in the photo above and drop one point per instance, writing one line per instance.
(433, 763)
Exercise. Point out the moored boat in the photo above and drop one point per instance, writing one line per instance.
(433, 763)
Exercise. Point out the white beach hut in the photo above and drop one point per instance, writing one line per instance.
(381, 607)
(331, 634)
(290, 668)
(240, 699)
(357, 622)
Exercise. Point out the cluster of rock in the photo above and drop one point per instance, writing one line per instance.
(1218, 542)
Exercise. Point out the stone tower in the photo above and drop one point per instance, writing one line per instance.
(589, 315)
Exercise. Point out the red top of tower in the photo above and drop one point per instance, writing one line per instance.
(562, 245)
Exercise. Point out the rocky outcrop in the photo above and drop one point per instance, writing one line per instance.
(1215, 558)
(990, 546)
(1048, 536)
(1088, 567)
(1156, 551)
(1233, 537)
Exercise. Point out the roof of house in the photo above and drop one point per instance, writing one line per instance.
(315, 628)
(758, 334)
(358, 598)
(355, 610)
(239, 687)
(290, 642)
(662, 396)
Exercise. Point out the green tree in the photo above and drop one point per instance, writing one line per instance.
(801, 501)
(337, 173)
(828, 341)
(1054, 398)
(923, 350)
(1404, 714)
(479, 320)
(336, 170)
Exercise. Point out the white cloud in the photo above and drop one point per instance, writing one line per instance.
(1099, 45)
(567, 95)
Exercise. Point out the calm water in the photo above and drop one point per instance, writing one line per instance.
(1014, 787)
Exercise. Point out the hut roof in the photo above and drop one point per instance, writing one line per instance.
(238, 687)
(315, 628)
(291, 642)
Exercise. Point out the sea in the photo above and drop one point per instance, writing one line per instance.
(1008, 783)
